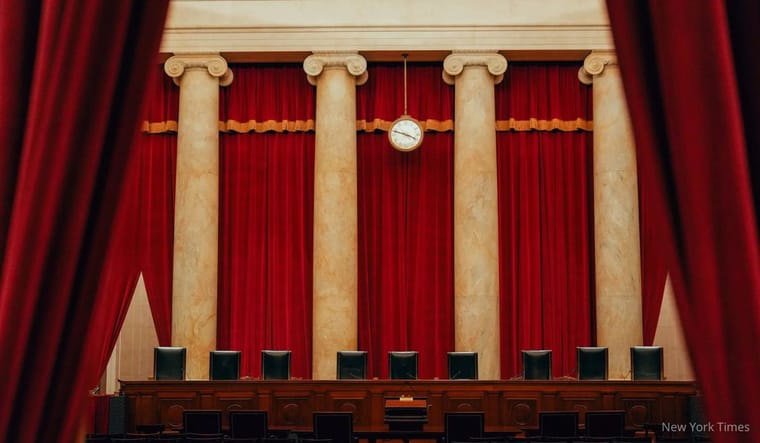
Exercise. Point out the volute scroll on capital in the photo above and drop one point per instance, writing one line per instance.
(594, 64)
(455, 63)
(215, 64)
(355, 64)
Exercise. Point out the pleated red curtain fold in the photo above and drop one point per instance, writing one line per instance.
(66, 140)
(268, 97)
(694, 105)
(543, 91)
(381, 100)
(406, 265)
(162, 109)
(405, 210)
(265, 247)
(157, 177)
(545, 216)
(266, 217)
(120, 272)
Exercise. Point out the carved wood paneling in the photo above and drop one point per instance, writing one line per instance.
(509, 405)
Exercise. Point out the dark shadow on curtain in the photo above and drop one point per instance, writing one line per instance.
(694, 106)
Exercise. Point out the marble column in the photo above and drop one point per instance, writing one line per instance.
(476, 231)
(196, 219)
(335, 305)
(616, 215)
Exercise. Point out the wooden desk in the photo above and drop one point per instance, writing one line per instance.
(508, 405)
(405, 414)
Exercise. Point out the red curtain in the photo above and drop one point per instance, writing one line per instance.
(162, 110)
(266, 217)
(405, 206)
(66, 135)
(545, 215)
(406, 265)
(120, 271)
(156, 174)
(268, 97)
(265, 247)
(156, 177)
(694, 107)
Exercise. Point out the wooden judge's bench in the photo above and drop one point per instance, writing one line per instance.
(508, 405)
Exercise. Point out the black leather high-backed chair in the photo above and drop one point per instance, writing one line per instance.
(558, 424)
(592, 362)
(605, 424)
(336, 426)
(202, 422)
(646, 362)
(537, 365)
(224, 365)
(248, 424)
(463, 426)
(169, 362)
(463, 365)
(275, 365)
(352, 365)
(402, 365)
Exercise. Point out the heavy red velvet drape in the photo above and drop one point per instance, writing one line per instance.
(265, 216)
(265, 247)
(694, 106)
(157, 176)
(66, 135)
(545, 215)
(120, 271)
(405, 205)
(156, 173)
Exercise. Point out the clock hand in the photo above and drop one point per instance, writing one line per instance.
(403, 133)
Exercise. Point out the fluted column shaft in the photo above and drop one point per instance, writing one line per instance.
(335, 293)
(616, 215)
(196, 220)
(476, 232)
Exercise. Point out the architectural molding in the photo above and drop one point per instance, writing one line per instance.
(265, 29)
(386, 38)
(455, 63)
(215, 64)
(594, 65)
(355, 64)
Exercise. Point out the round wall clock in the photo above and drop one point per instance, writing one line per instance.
(405, 134)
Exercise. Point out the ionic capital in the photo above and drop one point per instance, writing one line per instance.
(215, 64)
(354, 63)
(594, 65)
(455, 63)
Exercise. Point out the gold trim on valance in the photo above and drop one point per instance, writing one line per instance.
(383, 125)
(377, 124)
(159, 127)
(266, 126)
(535, 124)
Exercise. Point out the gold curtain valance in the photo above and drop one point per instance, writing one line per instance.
(532, 124)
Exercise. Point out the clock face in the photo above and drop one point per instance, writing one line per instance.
(405, 134)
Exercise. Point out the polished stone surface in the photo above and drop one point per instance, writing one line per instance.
(476, 231)
(616, 216)
(335, 292)
(196, 216)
